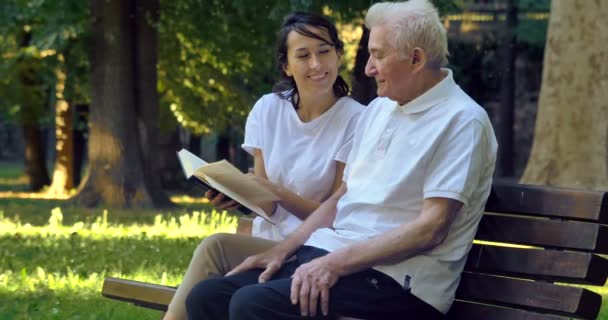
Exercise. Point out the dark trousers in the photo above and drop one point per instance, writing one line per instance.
(368, 294)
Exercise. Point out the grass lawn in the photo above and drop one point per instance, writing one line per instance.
(55, 271)
(53, 257)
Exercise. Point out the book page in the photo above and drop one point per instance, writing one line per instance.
(230, 177)
(189, 162)
(225, 178)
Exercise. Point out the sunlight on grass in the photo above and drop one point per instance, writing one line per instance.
(185, 199)
(177, 199)
(55, 271)
(187, 225)
(33, 195)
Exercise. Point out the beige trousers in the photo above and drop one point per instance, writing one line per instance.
(214, 257)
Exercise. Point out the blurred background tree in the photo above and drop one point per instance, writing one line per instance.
(124, 107)
(39, 44)
(571, 137)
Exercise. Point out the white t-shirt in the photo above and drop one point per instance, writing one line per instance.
(439, 145)
(298, 156)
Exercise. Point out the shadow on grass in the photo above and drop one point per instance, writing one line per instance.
(36, 211)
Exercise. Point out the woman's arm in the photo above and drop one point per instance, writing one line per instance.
(294, 203)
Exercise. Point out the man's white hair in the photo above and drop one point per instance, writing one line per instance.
(413, 23)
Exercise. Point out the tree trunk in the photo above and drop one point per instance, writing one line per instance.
(506, 112)
(116, 175)
(63, 175)
(31, 108)
(570, 146)
(364, 87)
(80, 132)
(145, 47)
(35, 162)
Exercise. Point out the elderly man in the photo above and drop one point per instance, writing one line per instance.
(393, 240)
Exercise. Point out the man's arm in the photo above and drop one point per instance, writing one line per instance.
(312, 281)
(273, 259)
(423, 234)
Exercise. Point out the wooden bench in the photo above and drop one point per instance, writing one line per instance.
(558, 234)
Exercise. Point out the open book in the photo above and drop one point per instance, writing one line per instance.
(225, 178)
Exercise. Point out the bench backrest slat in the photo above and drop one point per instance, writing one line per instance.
(551, 265)
(543, 232)
(562, 232)
(549, 202)
(474, 311)
(532, 295)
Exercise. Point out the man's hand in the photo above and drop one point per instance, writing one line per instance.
(311, 283)
(271, 261)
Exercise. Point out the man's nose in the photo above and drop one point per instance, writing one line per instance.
(370, 68)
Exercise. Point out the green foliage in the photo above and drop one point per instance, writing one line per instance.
(216, 57)
(532, 33)
(531, 29)
(205, 70)
(447, 6)
(34, 35)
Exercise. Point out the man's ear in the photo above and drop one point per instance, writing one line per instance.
(418, 58)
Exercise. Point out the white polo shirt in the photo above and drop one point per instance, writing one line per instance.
(439, 145)
(299, 156)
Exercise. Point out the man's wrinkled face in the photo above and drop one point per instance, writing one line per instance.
(391, 69)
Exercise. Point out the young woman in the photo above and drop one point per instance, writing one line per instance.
(300, 136)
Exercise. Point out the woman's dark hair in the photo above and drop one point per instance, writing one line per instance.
(299, 22)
